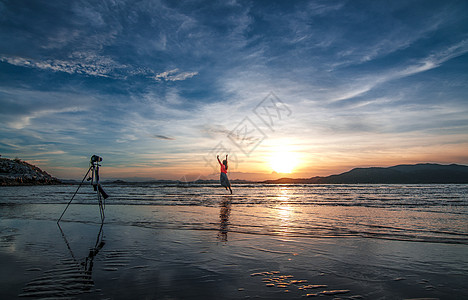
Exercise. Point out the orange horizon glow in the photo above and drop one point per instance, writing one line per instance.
(273, 160)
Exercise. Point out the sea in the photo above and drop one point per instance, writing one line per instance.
(435, 213)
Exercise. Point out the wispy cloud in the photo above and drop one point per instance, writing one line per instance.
(364, 84)
(435, 59)
(214, 131)
(24, 121)
(174, 75)
(162, 137)
(94, 65)
(80, 64)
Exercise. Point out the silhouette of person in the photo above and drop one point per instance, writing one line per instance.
(223, 176)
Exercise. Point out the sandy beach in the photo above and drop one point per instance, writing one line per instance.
(224, 251)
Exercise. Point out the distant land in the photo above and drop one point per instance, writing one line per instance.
(409, 174)
(424, 173)
(18, 172)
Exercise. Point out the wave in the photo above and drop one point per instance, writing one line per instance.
(428, 213)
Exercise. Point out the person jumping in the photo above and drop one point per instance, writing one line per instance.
(223, 176)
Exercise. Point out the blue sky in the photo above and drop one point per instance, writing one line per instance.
(157, 88)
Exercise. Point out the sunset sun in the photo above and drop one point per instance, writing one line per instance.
(283, 162)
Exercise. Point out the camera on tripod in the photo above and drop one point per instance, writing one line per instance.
(95, 176)
(93, 171)
(95, 159)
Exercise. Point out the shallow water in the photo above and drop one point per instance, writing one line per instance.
(431, 213)
(424, 197)
(266, 242)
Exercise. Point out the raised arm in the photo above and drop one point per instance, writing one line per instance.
(217, 157)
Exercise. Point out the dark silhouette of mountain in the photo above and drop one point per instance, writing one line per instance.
(18, 172)
(419, 173)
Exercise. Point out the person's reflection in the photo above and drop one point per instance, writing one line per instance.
(224, 212)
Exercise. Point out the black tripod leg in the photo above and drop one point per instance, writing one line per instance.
(74, 194)
(100, 192)
(101, 207)
(66, 242)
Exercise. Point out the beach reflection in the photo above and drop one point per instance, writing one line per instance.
(283, 195)
(70, 278)
(87, 262)
(224, 212)
(284, 211)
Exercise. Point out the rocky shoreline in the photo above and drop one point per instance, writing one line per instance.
(18, 172)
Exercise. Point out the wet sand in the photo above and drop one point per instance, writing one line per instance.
(199, 253)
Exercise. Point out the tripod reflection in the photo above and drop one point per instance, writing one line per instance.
(70, 277)
(87, 263)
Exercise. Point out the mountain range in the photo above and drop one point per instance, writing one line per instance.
(416, 174)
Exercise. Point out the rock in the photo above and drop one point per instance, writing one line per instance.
(18, 172)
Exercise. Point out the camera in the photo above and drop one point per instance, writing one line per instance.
(95, 159)
(94, 177)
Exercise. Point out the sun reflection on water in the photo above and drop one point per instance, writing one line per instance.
(284, 211)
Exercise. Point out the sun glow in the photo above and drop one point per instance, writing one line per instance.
(283, 161)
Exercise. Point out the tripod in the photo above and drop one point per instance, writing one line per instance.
(101, 194)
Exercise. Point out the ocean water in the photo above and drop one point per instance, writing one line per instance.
(423, 213)
(195, 241)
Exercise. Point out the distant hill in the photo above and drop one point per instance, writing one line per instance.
(17, 172)
(419, 173)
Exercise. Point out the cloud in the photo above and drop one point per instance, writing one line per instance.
(91, 64)
(162, 137)
(24, 121)
(22, 105)
(323, 7)
(83, 64)
(57, 152)
(364, 84)
(213, 131)
(10, 143)
(174, 75)
(435, 59)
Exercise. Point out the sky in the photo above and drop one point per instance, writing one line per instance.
(159, 88)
